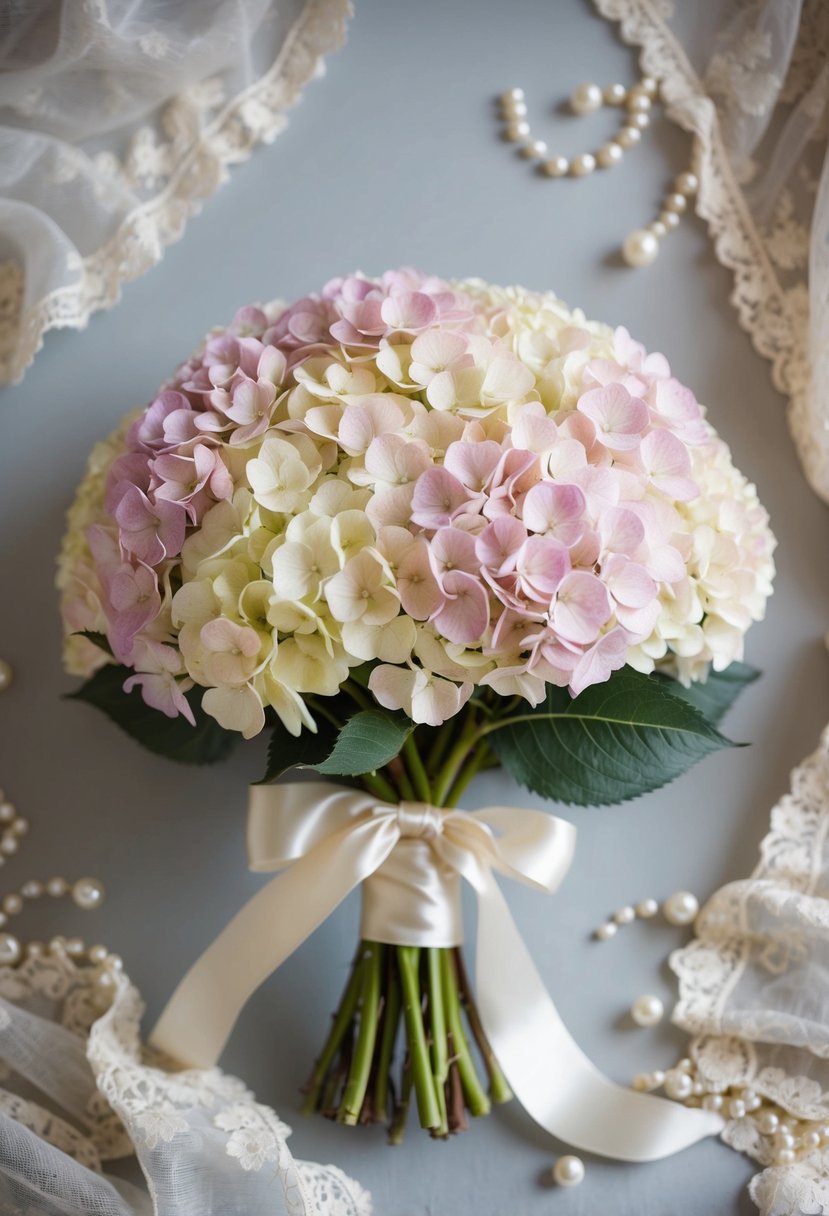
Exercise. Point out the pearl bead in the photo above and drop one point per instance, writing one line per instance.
(737, 1108)
(583, 164)
(9, 845)
(625, 915)
(642, 1081)
(9, 950)
(115, 962)
(785, 1128)
(646, 908)
(12, 904)
(98, 954)
(675, 202)
(512, 95)
(586, 99)
(659, 231)
(8, 812)
(751, 1099)
(810, 1140)
(682, 907)
(88, 893)
(684, 1065)
(609, 155)
(669, 218)
(639, 120)
(678, 1085)
(515, 109)
(699, 1089)
(74, 947)
(559, 166)
(786, 1156)
(687, 183)
(35, 950)
(712, 1102)
(6, 675)
(569, 1171)
(784, 1140)
(647, 1010)
(638, 102)
(658, 1078)
(628, 136)
(615, 95)
(767, 1122)
(515, 132)
(32, 889)
(4, 920)
(536, 149)
(824, 1131)
(57, 887)
(649, 85)
(606, 931)
(640, 248)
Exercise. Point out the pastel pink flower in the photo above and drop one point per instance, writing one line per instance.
(474, 464)
(417, 586)
(541, 566)
(438, 496)
(582, 606)
(555, 510)
(133, 602)
(182, 478)
(230, 651)
(411, 311)
(596, 665)
(452, 549)
(150, 531)
(157, 666)
(464, 613)
(667, 463)
(619, 419)
(497, 546)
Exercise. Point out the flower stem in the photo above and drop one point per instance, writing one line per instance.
(358, 1075)
(472, 766)
(398, 1126)
(437, 1027)
(411, 755)
(455, 760)
(341, 1023)
(397, 770)
(377, 784)
(499, 1089)
(388, 1038)
(476, 1099)
(408, 961)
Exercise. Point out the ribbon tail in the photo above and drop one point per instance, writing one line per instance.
(200, 1015)
(550, 1075)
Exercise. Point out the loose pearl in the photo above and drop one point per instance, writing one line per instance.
(675, 202)
(768, 1122)
(32, 889)
(682, 907)
(687, 183)
(647, 908)
(615, 94)
(737, 1108)
(659, 230)
(19, 826)
(712, 1102)
(515, 132)
(647, 1010)
(56, 887)
(9, 845)
(628, 136)
(88, 893)
(9, 949)
(115, 962)
(678, 1085)
(638, 102)
(586, 99)
(536, 149)
(8, 811)
(649, 85)
(515, 109)
(583, 164)
(625, 915)
(559, 166)
(569, 1171)
(609, 155)
(640, 248)
(639, 120)
(6, 675)
(658, 1078)
(74, 947)
(12, 904)
(669, 218)
(512, 95)
(98, 954)
(606, 931)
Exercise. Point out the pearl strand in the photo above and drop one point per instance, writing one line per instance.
(681, 908)
(641, 247)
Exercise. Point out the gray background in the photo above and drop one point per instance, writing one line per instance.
(394, 158)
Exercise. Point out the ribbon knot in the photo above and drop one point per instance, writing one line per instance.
(420, 820)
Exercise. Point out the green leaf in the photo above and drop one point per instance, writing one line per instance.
(370, 739)
(304, 751)
(175, 738)
(97, 639)
(613, 742)
(715, 696)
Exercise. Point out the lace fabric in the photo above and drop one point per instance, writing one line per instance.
(117, 121)
(79, 1090)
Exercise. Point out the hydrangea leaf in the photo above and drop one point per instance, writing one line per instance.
(175, 738)
(714, 696)
(97, 639)
(370, 739)
(613, 742)
(305, 751)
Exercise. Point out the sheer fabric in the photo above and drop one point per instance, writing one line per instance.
(754, 985)
(78, 1091)
(117, 120)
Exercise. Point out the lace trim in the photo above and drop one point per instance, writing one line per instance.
(774, 316)
(254, 116)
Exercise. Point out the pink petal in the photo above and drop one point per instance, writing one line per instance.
(555, 509)
(437, 497)
(596, 664)
(668, 464)
(582, 606)
(619, 418)
(542, 564)
(473, 463)
(409, 310)
(497, 546)
(464, 616)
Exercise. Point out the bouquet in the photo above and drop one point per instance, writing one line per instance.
(416, 530)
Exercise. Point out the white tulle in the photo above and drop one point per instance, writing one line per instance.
(117, 120)
(754, 985)
(81, 1098)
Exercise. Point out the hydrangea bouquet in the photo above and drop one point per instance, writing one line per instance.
(415, 530)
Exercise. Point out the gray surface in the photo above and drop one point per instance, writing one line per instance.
(394, 159)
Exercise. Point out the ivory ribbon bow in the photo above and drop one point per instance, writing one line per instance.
(328, 840)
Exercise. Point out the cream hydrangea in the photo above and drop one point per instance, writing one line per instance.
(458, 485)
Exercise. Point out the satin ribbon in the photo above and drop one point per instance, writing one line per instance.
(328, 840)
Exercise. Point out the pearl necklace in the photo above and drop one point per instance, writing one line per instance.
(640, 247)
